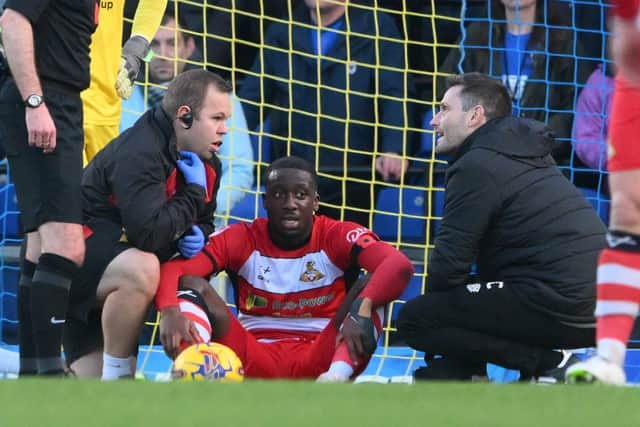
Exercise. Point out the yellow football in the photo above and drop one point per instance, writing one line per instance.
(207, 362)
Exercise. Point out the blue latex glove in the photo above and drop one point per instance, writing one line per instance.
(192, 169)
(191, 244)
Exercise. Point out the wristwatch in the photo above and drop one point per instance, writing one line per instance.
(34, 101)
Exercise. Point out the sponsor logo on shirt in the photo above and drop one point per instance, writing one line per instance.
(354, 235)
(303, 303)
(256, 301)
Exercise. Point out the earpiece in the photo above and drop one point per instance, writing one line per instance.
(186, 119)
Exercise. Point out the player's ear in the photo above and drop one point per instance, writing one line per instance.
(316, 202)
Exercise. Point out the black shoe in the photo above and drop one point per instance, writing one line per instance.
(557, 375)
(449, 369)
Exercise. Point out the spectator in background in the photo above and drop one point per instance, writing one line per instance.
(531, 234)
(233, 30)
(330, 99)
(525, 44)
(101, 100)
(175, 52)
(592, 117)
(47, 49)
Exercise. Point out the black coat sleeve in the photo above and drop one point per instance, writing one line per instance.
(152, 220)
(472, 200)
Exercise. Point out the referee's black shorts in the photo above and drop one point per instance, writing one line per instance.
(47, 185)
(83, 329)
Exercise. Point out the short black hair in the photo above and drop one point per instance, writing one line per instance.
(171, 14)
(292, 162)
(190, 88)
(481, 89)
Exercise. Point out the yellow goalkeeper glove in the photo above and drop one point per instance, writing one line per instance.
(134, 52)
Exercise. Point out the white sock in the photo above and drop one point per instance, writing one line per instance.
(115, 367)
(612, 350)
(341, 369)
(9, 362)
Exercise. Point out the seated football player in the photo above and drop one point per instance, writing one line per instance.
(302, 313)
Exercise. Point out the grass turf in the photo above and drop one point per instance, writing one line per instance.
(34, 402)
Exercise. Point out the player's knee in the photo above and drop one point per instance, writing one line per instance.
(63, 239)
(625, 212)
(145, 274)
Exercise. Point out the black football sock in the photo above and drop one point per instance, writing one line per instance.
(49, 295)
(28, 362)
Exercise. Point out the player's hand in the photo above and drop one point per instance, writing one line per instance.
(134, 52)
(358, 331)
(41, 129)
(625, 46)
(391, 166)
(192, 169)
(176, 329)
(192, 243)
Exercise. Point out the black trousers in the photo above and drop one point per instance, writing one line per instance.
(485, 322)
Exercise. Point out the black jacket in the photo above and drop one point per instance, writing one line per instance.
(290, 82)
(509, 209)
(134, 183)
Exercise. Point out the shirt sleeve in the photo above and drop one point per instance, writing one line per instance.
(202, 265)
(214, 258)
(152, 220)
(30, 9)
(148, 17)
(626, 9)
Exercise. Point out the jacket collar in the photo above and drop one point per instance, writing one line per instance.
(165, 124)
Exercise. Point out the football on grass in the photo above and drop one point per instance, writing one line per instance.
(207, 362)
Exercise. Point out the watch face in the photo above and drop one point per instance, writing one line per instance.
(34, 101)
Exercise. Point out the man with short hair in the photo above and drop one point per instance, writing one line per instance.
(294, 274)
(47, 48)
(175, 53)
(147, 195)
(531, 235)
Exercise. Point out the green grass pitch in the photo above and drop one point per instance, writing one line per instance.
(255, 403)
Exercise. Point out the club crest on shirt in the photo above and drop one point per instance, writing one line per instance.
(311, 274)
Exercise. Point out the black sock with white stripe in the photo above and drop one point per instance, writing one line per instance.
(49, 295)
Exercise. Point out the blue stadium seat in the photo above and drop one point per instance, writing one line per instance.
(385, 219)
(245, 209)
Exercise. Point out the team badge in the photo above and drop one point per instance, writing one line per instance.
(311, 274)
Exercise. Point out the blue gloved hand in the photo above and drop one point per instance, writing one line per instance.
(191, 244)
(192, 169)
